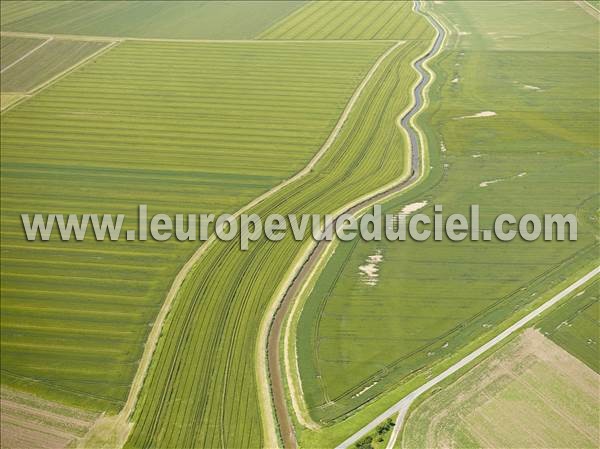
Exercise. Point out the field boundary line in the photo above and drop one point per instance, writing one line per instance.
(401, 407)
(37, 89)
(121, 420)
(83, 37)
(33, 50)
(357, 208)
(588, 8)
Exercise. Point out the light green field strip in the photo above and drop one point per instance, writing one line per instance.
(184, 128)
(530, 393)
(156, 19)
(575, 326)
(7, 99)
(201, 390)
(361, 335)
(351, 20)
(13, 48)
(44, 62)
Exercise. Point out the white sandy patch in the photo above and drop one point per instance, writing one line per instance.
(370, 271)
(530, 87)
(478, 115)
(464, 33)
(487, 183)
(455, 80)
(476, 155)
(442, 147)
(493, 181)
(413, 207)
(364, 389)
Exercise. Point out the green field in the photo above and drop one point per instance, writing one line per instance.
(202, 387)
(184, 128)
(156, 19)
(530, 393)
(43, 64)
(575, 326)
(359, 336)
(351, 20)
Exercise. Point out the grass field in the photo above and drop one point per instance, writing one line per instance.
(575, 326)
(359, 336)
(351, 20)
(530, 393)
(51, 59)
(208, 397)
(157, 19)
(207, 132)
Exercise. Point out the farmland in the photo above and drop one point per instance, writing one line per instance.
(360, 335)
(50, 59)
(226, 294)
(292, 107)
(157, 19)
(575, 326)
(75, 315)
(351, 20)
(530, 380)
(12, 48)
(30, 422)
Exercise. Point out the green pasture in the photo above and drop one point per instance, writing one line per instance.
(181, 127)
(142, 19)
(356, 340)
(575, 326)
(363, 19)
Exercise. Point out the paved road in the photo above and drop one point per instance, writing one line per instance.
(273, 347)
(403, 405)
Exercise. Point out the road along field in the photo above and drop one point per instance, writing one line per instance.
(381, 314)
(530, 393)
(140, 19)
(182, 127)
(575, 326)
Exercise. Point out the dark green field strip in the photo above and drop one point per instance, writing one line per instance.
(575, 325)
(13, 48)
(48, 61)
(351, 20)
(146, 123)
(201, 389)
(357, 341)
(158, 19)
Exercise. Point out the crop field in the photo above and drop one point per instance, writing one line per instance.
(226, 295)
(224, 123)
(575, 326)
(30, 422)
(382, 312)
(49, 60)
(352, 20)
(156, 19)
(12, 48)
(530, 393)
(293, 107)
